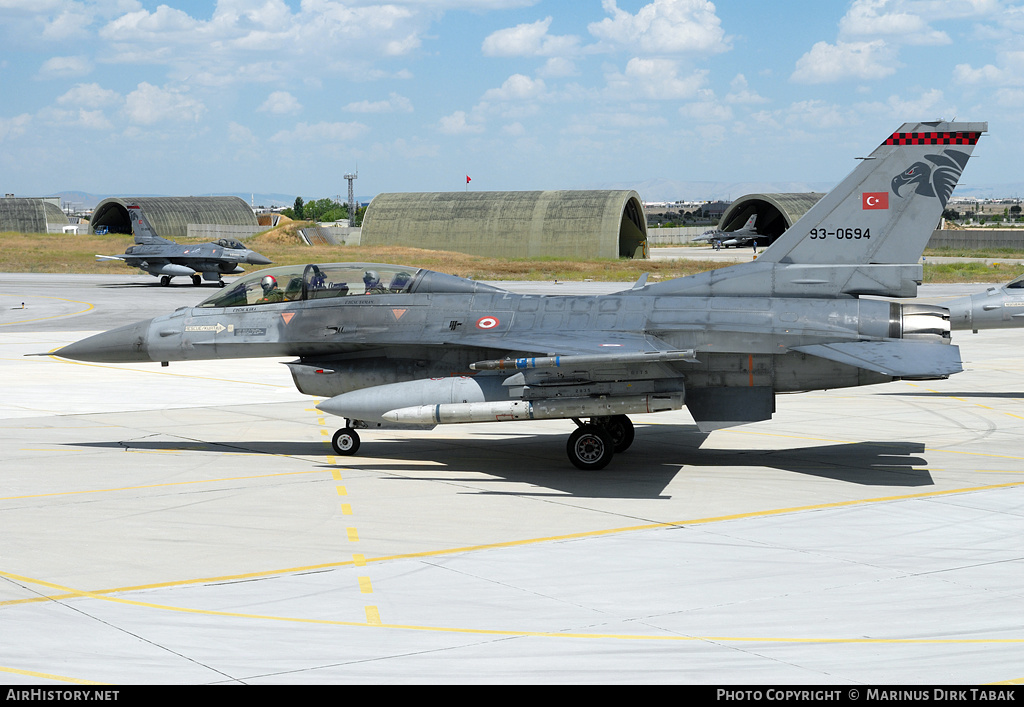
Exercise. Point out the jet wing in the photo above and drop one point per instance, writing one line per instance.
(899, 358)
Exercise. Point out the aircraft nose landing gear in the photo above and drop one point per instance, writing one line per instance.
(345, 442)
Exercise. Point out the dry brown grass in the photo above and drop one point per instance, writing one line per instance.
(76, 254)
(58, 253)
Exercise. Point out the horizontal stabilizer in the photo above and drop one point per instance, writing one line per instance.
(897, 358)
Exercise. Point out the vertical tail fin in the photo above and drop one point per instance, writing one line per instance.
(884, 212)
(144, 233)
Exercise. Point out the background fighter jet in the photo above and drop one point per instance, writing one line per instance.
(995, 308)
(400, 346)
(166, 259)
(741, 237)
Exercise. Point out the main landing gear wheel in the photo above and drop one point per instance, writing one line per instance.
(197, 280)
(620, 429)
(590, 447)
(345, 442)
(165, 281)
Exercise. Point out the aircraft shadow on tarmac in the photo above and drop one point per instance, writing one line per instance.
(156, 284)
(659, 455)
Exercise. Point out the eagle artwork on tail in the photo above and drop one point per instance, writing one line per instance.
(939, 181)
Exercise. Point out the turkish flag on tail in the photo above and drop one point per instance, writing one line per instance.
(875, 200)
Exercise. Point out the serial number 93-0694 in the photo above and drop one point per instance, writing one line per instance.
(841, 233)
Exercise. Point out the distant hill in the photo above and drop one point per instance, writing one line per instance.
(649, 190)
(89, 201)
(669, 190)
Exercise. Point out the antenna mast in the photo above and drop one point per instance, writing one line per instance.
(351, 177)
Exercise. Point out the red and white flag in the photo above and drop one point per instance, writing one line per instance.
(875, 200)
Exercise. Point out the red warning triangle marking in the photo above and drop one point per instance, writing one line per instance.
(287, 317)
(398, 312)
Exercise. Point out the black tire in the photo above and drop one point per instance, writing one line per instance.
(620, 429)
(590, 448)
(345, 442)
(165, 281)
(197, 280)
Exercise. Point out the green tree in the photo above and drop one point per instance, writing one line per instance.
(299, 208)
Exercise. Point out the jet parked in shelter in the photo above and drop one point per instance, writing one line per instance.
(166, 259)
(394, 346)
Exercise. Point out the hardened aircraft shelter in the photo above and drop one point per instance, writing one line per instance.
(512, 224)
(170, 215)
(775, 212)
(23, 215)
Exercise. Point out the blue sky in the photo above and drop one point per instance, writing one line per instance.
(178, 98)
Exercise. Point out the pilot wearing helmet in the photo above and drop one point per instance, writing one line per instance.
(271, 292)
(371, 281)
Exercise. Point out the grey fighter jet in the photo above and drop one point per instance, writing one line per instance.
(741, 237)
(166, 259)
(393, 346)
(995, 308)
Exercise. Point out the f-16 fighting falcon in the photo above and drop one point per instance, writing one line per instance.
(166, 259)
(394, 346)
(995, 308)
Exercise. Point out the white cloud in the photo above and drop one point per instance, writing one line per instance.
(322, 132)
(558, 67)
(159, 26)
(71, 22)
(816, 114)
(65, 67)
(663, 27)
(280, 103)
(741, 93)
(80, 118)
(885, 18)
(394, 104)
(517, 87)
(89, 95)
(14, 127)
(707, 110)
(655, 78)
(240, 134)
(528, 40)
(456, 124)
(826, 63)
(150, 104)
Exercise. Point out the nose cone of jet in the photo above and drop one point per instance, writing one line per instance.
(254, 258)
(125, 344)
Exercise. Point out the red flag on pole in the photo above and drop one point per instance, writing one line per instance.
(467, 179)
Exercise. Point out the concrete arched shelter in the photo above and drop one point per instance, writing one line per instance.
(24, 215)
(775, 212)
(511, 224)
(170, 215)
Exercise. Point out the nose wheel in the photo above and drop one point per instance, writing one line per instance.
(345, 442)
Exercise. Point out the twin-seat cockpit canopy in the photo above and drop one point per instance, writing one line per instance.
(294, 283)
(230, 243)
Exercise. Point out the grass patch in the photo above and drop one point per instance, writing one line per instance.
(972, 271)
(65, 253)
(948, 252)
